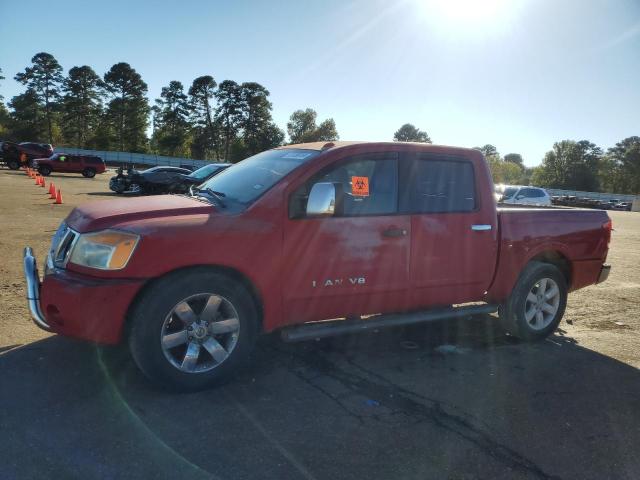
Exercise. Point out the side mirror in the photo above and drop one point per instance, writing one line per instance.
(322, 200)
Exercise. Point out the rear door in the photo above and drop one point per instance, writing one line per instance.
(357, 261)
(453, 236)
(75, 164)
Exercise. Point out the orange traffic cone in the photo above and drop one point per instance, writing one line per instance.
(59, 198)
(37, 179)
(52, 191)
(42, 182)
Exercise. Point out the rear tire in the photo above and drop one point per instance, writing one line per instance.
(194, 313)
(13, 164)
(536, 304)
(44, 170)
(89, 173)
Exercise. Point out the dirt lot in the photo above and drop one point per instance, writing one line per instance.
(386, 405)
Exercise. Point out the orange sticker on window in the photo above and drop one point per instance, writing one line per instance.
(360, 186)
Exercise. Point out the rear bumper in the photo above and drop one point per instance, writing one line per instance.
(79, 306)
(604, 273)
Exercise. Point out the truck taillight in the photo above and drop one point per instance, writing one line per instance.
(608, 227)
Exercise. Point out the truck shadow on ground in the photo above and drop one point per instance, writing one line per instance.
(443, 400)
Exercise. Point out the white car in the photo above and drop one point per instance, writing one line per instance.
(521, 195)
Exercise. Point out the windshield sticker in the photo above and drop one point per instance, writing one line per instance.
(360, 186)
(296, 155)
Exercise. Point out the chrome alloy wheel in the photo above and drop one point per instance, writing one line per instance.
(542, 303)
(200, 333)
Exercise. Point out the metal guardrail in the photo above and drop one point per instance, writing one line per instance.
(594, 195)
(112, 157)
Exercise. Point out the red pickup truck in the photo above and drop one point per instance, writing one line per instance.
(315, 240)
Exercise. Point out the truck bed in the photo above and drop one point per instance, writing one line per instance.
(573, 237)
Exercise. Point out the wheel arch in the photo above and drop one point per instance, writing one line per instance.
(230, 272)
(557, 259)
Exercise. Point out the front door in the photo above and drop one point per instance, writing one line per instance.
(355, 262)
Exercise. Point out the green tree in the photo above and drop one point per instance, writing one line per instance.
(206, 134)
(620, 170)
(27, 118)
(128, 110)
(302, 127)
(81, 105)
(4, 115)
(1, 78)
(514, 158)
(259, 131)
(229, 113)
(44, 78)
(570, 165)
(409, 133)
(488, 150)
(171, 125)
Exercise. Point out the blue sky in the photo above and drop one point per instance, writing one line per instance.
(519, 74)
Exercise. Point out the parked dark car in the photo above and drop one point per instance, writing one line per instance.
(17, 155)
(159, 180)
(87, 165)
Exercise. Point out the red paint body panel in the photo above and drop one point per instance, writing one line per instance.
(439, 261)
(84, 308)
(577, 235)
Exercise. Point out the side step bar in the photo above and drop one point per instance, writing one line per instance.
(330, 328)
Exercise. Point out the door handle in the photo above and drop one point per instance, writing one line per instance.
(394, 232)
(480, 228)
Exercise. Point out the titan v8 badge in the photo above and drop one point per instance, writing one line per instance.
(339, 281)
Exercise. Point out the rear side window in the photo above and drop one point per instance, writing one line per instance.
(438, 186)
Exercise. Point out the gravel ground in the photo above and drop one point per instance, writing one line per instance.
(453, 400)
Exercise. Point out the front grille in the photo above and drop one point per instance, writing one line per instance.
(61, 244)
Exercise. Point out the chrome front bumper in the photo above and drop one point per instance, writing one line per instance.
(33, 289)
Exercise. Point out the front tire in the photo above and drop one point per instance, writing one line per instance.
(13, 164)
(536, 304)
(89, 173)
(192, 330)
(44, 170)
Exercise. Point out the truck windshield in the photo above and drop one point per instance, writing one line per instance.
(250, 178)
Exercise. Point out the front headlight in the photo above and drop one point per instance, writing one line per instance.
(106, 250)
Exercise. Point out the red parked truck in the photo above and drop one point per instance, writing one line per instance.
(398, 232)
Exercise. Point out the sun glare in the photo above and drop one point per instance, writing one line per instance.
(468, 16)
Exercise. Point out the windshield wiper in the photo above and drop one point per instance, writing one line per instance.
(217, 195)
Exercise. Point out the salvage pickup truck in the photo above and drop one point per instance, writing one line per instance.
(314, 240)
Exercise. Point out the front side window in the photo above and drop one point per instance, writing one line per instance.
(368, 185)
(437, 186)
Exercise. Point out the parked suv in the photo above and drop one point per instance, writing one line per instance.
(517, 195)
(87, 165)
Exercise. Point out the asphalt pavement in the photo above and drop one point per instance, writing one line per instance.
(444, 401)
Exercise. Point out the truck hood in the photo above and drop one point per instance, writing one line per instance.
(105, 214)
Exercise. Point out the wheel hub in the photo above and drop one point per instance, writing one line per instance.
(200, 333)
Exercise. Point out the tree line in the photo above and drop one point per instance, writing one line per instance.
(231, 121)
(209, 120)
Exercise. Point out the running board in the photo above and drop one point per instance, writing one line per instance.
(330, 328)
